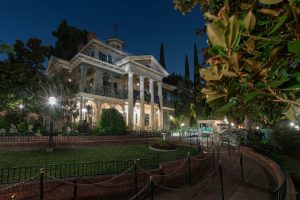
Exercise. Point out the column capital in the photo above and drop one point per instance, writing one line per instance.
(159, 83)
(130, 73)
(142, 77)
(151, 81)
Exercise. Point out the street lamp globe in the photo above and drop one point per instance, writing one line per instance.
(52, 101)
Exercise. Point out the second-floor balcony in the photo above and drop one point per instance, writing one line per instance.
(123, 94)
(107, 92)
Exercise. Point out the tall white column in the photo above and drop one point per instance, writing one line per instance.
(161, 113)
(130, 101)
(151, 118)
(142, 99)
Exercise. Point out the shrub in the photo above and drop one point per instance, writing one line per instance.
(22, 127)
(83, 127)
(4, 124)
(287, 140)
(111, 122)
(164, 145)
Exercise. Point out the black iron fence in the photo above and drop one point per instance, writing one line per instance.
(58, 137)
(10, 175)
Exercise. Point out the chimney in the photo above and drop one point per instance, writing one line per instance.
(80, 46)
(90, 36)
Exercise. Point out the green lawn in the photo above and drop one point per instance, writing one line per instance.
(104, 153)
(17, 165)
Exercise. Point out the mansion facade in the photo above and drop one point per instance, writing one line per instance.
(107, 76)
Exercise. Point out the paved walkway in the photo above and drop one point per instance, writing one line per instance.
(257, 184)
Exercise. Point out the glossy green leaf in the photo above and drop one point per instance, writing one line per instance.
(212, 97)
(294, 46)
(270, 2)
(232, 32)
(280, 22)
(275, 84)
(231, 103)
(215, 35)
(249, 21)
(297, 76)
(250, 96)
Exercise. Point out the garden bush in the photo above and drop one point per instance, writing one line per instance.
(22, 127)
(287, 140)
(111, 123)
(4, 124)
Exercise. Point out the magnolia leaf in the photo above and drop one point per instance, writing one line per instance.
(245, 6)
(297, 76)
(294, 46)
(270, 2)
(249, 21)
(215, 35)
(210, 73)
(292, 84)
(250, 96)
(290, 113)
(231, 103)
(250, 45)
(210, 16)
(212, 97)
(252, 65)
(232, 31)
(208, 91)
(274, 13)
(234, 62)
(228, 73)
(275, 84)
(280, 22)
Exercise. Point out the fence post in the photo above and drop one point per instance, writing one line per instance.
(213, 158)
(228, 142)
(14, 197)
(135, 177)
(218, 153)
(242, 167)
(75, 190)
(207, 142)
(221, 180)
(41, 184)
(190, 170)
(151, 188)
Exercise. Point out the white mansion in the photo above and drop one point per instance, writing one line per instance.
(107, 77)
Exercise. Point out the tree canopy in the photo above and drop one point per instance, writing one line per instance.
(68, 38)
(254, 57)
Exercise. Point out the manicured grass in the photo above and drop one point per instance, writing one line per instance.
(22, 157)
(18, 165)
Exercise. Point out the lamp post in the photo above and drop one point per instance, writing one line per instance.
(52, 103)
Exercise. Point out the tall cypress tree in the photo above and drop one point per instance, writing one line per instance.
(162, 56)
(187, 70)
(196, 68)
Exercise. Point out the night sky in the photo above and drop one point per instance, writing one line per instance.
(143, 24)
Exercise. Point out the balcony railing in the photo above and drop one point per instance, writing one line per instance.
(123, 94)
(108, 92)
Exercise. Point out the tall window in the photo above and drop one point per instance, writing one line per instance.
(92, 54)
(102, 56)
(109, 59)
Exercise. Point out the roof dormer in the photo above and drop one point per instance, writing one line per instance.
(115, 42)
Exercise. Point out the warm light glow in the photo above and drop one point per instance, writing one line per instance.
(69, 80)
(84, 110)
(52, 101)
(182, 124)
(257, 127)
(138, 84)
(232, 124)
(292, 124)
(171, 117)
(21, 106)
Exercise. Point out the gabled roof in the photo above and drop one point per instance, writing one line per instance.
(56, 64)
(145, 61)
